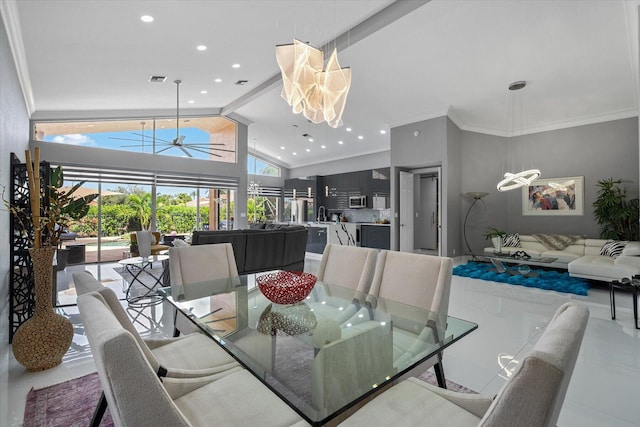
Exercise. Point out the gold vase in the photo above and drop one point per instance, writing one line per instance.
(41, 341)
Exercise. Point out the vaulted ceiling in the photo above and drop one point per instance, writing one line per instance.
(411, 60)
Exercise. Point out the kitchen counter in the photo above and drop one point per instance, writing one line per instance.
(373, 223)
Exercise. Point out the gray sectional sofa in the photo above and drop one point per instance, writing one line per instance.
(281, 247)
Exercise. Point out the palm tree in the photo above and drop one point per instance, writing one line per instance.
(142, 206)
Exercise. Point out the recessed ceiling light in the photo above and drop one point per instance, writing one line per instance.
(201, 47)
(203, 92)
(348, 129)
(146, 18)
(310, 139)
(191, 101)
(360, 137)
(236, 65)
(282, 147)
(323, 146)
(279, 157)
(218, 80)
(308, 150)
(340, 142)
(383, 132)
(294, 153)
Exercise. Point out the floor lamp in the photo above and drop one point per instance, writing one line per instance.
(476, 196)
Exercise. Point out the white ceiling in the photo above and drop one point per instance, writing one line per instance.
(455, 57)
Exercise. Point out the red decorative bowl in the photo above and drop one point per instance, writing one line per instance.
(286, 287)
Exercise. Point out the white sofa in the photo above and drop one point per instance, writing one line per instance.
(605, 268)
(582, 258)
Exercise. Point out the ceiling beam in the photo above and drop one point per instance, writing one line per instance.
(381, 19)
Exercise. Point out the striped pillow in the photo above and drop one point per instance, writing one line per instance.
(511, 241)
(613, 248)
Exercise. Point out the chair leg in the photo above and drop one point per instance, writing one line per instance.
(98, 413)
(635, 306)
(612, 300)
(442, 382)
(176, 331)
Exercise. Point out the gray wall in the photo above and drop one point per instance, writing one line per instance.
(14, 137)
(352, 164)
(596, 151)
(429, 143)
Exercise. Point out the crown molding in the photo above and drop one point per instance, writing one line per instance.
(562, 124)
(11, 20)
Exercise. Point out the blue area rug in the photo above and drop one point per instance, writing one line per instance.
(547, 279)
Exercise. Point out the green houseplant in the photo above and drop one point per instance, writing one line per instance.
(616, 214)
(495, 235)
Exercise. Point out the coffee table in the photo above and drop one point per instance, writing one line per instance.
(498, 261)
(320, 368)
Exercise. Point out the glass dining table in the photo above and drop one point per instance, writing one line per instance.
(325, 354)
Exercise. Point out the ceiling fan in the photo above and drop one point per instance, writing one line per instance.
(178, 141)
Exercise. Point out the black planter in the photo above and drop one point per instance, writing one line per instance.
(62, 257)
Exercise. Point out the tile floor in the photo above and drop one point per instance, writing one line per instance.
(603, 391)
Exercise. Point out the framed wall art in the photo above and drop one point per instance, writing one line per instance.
(554, 196)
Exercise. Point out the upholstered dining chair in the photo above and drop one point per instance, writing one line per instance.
(196, 264)
(418, 280)
(136, 396)
(532, 396)
(349, 267)
(189, 356)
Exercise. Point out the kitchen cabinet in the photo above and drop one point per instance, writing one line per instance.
(335, 190)
(375, 236)
(378, 184)
(317, 239)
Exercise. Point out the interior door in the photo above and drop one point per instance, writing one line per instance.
(428, 233)
(406, 212)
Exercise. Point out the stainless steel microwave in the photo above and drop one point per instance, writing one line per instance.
(357, 202)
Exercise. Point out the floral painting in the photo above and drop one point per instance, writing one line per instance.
(554, 196)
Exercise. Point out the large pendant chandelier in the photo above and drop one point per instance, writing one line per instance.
(510, 180)
(320, 94)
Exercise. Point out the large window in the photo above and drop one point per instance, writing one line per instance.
(211, 138)
(132, 200)
(258, 166)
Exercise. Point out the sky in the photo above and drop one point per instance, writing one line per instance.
(134, 141)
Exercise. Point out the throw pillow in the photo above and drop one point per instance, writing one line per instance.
(511, 241)
(555, 242)
(613, 248)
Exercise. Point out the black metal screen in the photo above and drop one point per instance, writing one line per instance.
(21, 287)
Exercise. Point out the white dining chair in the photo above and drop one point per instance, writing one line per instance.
(349, 267)
(190, 265)
(143, 239)
(531, 397)
(189, 356)
(418, 280)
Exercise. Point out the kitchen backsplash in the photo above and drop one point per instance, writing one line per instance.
(367, 215)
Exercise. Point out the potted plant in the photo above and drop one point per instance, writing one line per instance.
(495, 235)
(41, 341)
(616, 214)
